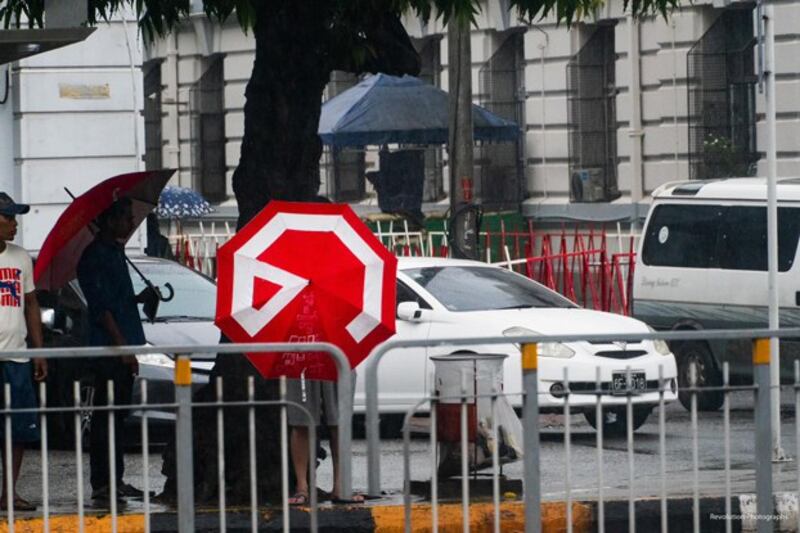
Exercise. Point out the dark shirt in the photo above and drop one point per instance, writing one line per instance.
(106, 283)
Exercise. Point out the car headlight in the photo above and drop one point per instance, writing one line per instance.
(543, 349)
(156, 359)
(519, 331)
(660, 345)
(554, 349)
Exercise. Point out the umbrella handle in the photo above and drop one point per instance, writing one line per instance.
(149, 283)
(171, 292)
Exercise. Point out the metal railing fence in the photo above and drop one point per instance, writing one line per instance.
(530, 420)
(183, 406)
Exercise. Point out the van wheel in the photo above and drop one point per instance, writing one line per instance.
(706, 375)
(615, 419)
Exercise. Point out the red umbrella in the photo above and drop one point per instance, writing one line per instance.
(303, 272)
(72, 233)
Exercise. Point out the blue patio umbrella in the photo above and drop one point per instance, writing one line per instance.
(385, 109)
(180, 202)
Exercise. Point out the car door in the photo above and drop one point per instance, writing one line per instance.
(401, 374)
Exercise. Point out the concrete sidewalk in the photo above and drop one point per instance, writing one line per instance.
(388, 517)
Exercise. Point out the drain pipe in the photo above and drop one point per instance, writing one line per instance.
(675, 100)
(542, 93)
(173, 100)
(140, 234)
(635, 132)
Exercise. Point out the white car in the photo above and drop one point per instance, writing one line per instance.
(453, 298)
(187, 319)
(448, 298)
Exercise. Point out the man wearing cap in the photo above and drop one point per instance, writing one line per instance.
(19, 318)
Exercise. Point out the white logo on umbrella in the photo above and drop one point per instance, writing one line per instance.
(247, 267)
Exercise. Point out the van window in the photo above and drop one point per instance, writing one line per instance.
(743, 239)
(788, 236)
(682, 236)
(731, 238)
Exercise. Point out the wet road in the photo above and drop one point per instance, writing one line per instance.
(583, 461)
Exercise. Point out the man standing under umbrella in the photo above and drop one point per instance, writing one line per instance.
(19, 317)
(114, 320)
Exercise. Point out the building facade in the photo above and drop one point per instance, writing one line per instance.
(70, 118)
(608, 110)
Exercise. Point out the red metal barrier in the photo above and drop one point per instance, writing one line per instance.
(576, 263)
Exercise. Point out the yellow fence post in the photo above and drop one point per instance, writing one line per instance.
(530, 427)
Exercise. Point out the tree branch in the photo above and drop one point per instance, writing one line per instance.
(382, 46)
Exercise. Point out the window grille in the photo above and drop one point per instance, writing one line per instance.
(430, 72)
(207, 113)
(721, 91)
(152, 116)
(592, 119)
(502, 91)
(343, 167)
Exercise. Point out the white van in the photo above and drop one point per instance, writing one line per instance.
(702, 264)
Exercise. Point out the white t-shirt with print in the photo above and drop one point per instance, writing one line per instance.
(16, 280)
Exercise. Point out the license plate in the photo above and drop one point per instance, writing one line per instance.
(621, 385)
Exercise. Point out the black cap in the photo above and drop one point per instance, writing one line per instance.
(11, 208)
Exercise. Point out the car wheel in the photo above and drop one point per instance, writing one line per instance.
(615, 419)
(706, 375)
(391, 426)
(61, 425)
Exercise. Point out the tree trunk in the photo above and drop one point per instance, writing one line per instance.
(279, 159)
(295, 55)
(281, 149)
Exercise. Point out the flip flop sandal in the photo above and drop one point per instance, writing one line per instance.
(20, 504)
(356, 499)
(299, 499)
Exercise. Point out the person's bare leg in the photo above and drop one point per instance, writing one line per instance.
(337, 490)
(17, 452)
(334, 432)
(298, 446)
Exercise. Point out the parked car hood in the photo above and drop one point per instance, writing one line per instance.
(174, 333)
(184, 333)
(550, 321)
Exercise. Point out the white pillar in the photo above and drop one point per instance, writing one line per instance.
(635, 132)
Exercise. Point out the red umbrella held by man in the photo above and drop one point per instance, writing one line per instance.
(58, 259)
(305, 272)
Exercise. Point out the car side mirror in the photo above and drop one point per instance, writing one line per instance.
(48, 318)
(409, 311)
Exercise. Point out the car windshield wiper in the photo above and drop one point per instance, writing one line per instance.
(518, 306)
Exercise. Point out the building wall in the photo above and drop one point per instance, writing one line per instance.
(75, 122)
(8, 183)
(663, 93)
(182, 64)
(787, 90)
(663, 46)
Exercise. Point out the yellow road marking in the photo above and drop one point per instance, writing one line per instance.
(391, 519)
(68, 524)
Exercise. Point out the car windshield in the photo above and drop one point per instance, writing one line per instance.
(195, 295)
(466, 288)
